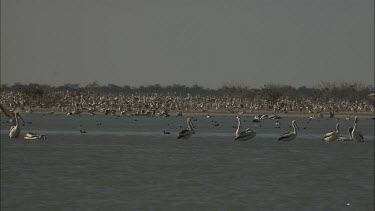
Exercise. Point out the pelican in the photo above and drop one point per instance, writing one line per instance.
(333, 135)
(33, 136)
(243, 135)
(185, 134)
(344, 138)
(290, 135)
(256, 119)
(357, 136)
(15, 131)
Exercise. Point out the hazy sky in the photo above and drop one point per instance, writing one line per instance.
(204, 42)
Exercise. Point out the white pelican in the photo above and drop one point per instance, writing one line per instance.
(15, 131)
(290, 135)
(344, 138)
(33, 136)
(333, 135)
(185, 134)
(357, 136)
(243, 135)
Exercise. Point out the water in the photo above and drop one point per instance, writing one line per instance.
(128, 163)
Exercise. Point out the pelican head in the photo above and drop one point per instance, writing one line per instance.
(356, 120)
(294, 124)
(337, 126)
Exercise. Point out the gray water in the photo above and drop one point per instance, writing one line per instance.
(128, 163)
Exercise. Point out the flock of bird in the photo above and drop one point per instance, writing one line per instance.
(244, 135)
(74, 102)
(240, 135)
(354, 134)
(153, 104)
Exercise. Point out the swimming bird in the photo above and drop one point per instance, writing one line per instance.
(344, 138)
(256, 119)
(290, 135)
(15, 131)
(357, 135)
(185, 134)
(332, 135)
(83, 131)
(33, 136)
(243, 135)
(166, 132)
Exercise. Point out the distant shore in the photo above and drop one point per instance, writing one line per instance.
(213, 113)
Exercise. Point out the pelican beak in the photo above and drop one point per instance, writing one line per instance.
(18, 114)
(192, 125)
(297, 126)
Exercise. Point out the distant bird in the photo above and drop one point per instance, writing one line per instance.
(344, 138)
(256, 119)
(82, 131)
(243, 135)
(185, 134)
(289, 136)
(15, 131)
(33, 136)
(332, 135)
(166, 132)
(208, 116)
(356, 135)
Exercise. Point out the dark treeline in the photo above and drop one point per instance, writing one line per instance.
(271, 92)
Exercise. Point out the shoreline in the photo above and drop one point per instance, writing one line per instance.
(212, 113)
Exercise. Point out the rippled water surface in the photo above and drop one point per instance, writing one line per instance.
(128, 163)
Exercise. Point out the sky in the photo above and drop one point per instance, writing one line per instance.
(210, 43)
